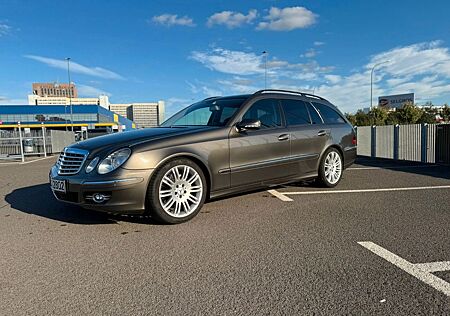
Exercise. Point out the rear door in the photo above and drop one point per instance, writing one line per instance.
(306, 142)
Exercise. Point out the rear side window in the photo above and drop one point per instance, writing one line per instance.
(315, 118)
(295, 112)
(329, 115)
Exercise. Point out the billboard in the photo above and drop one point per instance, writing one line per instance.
(395, 101)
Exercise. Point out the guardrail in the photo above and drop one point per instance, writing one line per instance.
(429, 143)
(22, 142)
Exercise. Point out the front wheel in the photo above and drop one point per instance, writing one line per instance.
(177, 192)
(330, 168)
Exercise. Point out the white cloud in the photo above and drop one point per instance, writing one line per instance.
(173, 19)
(318, 43)
(4, 100)
(422, 68)
(231, 19)
(89, 91)
(230, 62)
(310, 53)
(414, 60)
(77, 68)
(4, 29)
(333, 78)
(287, 19)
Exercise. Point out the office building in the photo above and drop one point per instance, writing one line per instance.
(143, 114)
(54, 89)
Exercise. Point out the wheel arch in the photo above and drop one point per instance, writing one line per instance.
(194, 158)
(335, 146)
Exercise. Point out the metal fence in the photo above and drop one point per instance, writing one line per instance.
(17, 144)
(414, 142)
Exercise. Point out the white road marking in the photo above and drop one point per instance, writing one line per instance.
(392, 167)
(279, 195)
(434, 266)
(24, 163)
(411, 268)
(282, 195)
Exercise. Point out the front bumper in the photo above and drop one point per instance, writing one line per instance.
(125, 190)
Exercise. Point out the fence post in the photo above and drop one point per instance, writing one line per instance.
(424, 142)
(20, 142)
(396, 141)
(373, 141)
(43, 138)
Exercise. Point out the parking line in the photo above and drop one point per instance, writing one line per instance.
(282, 195)
(416, 270)
(434, 266)
(24, 163)
(279, 195)
(398, 167)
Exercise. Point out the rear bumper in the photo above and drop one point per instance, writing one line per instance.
(125, 192)
(349, 156)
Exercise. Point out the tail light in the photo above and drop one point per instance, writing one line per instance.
(354, 142)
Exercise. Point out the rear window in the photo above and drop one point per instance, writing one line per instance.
(295, 112)
(329, 115)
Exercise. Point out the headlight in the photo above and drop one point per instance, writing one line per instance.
(91, 166)
(114, 161)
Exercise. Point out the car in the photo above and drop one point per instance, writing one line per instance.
(216, 147)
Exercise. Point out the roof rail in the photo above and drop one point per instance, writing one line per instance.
(210, 98)
(289, 92)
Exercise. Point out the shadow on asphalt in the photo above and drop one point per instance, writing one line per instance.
(39, 200)
(432, 170)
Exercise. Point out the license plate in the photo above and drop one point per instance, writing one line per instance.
(58, 185)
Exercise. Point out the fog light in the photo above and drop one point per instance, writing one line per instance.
(98, 198)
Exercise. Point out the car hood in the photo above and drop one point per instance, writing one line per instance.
(126, 139)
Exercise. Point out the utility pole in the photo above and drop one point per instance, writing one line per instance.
(371, 81)
(70, 92)
(265, 69)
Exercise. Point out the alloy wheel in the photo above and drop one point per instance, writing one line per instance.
(333, 167)
(180, 191)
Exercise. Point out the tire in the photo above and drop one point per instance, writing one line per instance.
(331, 168)
(176, 192)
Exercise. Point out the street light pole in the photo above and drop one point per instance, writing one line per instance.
(371, 81)
(70, 92)
(265, 69)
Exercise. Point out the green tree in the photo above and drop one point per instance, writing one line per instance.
(362, 118)
(378, 116)
(393, 118)
(446, 113)
(409, 113)
(427, 117)
(351, 118)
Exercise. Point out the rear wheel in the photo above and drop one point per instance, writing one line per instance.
(177, 192)
(330, 168)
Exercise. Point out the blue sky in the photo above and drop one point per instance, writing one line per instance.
(181, 51)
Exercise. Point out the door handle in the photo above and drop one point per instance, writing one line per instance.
(283, 137)
(322, 133)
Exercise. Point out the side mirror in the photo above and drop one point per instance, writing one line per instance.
(248, 124)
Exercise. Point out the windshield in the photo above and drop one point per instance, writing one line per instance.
(213, 112)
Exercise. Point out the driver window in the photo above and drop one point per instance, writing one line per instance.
(267, 111)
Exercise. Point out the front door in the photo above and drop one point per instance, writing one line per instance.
(258, 156)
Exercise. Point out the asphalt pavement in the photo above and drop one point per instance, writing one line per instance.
(296, 250)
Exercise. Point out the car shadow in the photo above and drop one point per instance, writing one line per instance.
(432, 170)
(39, 200)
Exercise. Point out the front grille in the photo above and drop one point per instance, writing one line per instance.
(70, 161)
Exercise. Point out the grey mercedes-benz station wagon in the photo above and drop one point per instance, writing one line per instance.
(215, 147)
